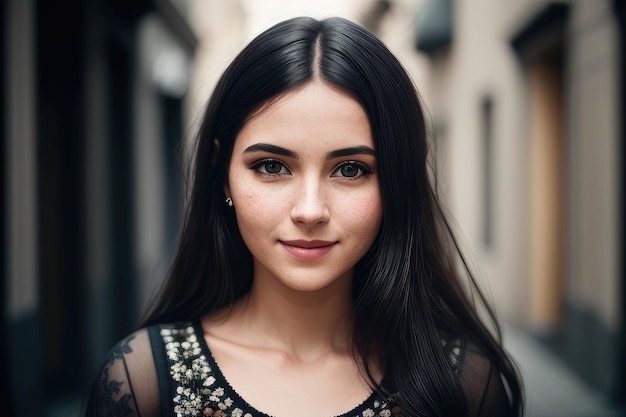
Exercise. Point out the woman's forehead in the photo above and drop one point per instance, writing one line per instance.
(312, 114)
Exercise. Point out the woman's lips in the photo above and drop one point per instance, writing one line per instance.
(308, 249)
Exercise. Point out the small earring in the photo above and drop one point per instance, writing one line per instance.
(229, 201)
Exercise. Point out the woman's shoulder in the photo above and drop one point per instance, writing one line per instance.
(119, 387)
(135, 351)
(136, 345)
(482, 382)
(478, 374)
(128, 381)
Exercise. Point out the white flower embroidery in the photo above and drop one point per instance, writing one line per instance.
(190, 369)
(368, 413)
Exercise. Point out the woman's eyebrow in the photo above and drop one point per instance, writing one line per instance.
(357, 150)
(266, 147)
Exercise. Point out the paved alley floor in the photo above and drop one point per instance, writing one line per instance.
(552, 389)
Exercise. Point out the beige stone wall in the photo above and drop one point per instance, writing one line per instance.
(593, 135)
(479, 63)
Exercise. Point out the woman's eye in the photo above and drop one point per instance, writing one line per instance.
(271, 167)
(352, 169)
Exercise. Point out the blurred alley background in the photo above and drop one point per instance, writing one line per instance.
(100, 101)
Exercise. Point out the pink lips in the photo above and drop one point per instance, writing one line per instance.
(308, 249)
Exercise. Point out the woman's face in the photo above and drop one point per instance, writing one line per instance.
(306, 195)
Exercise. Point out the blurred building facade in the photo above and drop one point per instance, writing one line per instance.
(92, 113)
(528, 105)
(526, 100)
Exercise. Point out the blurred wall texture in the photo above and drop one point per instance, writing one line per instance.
(93, 111)
(99, 98)
(528, 105)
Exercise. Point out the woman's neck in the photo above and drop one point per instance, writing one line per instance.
(303, 325)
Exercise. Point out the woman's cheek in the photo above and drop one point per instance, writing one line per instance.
(363, 215)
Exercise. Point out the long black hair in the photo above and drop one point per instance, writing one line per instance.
(408, 287)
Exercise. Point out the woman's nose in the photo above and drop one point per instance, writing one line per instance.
(310, 207)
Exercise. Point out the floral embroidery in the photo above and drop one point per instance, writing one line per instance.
(368, 413)
(190, 369)
(197, 391)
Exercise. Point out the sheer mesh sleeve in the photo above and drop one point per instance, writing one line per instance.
(483, 386)
(127, 384)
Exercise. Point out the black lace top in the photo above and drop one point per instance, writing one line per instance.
(168, 370)
(189, 381)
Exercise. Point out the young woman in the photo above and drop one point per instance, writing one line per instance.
(316, 273)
